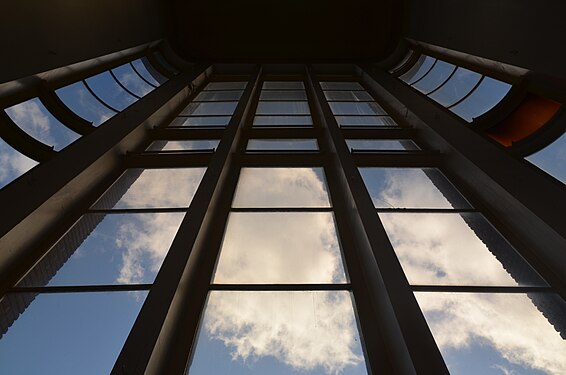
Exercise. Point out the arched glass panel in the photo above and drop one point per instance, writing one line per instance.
(437, 75)
(421, 67)
(12, 164)
(131, 80)
(83, 103)
(457, 87)
(109, 91)
(140, 68)
(552, 159)
(485, 97)
(33, 118)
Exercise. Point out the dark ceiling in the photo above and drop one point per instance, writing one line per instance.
(285, 31)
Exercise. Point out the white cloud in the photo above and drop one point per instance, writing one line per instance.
(12, 164)
(131, 80)
(304, 330)
(32, 119)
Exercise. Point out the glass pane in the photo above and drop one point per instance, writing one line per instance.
(84, 104)
(211, 96)
(455, 249)
(283, 85)
(212, 108)
(145, 188)
(341, 86)
(108, 90)
(283, 108)
(129, 78)
(226, 86)
(108, 249)
(282, 144)
(201, 121)
(33, 118)
(356, 108)
(282, 121)
(347, 96)
(458, 86)
(552, 159)
(411, 188)
(365, 121)
(69, 333)
(418, 70)
(485, 97)
(435, 77)
(13, 164)
(280, 248)
(283, 95)
(498, 333)
(380, 144)
(296, 333)
(194, 144)
(142, 70)
(281, 187)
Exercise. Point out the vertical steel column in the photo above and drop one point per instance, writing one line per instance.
(388, 306)
(523, 201)
(161, 338)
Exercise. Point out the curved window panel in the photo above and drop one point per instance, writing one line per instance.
(347, 96)
(210, 108)
(402, 62)
(365, 121)
(152, 188)
(190, 145)
(283, 108)
(458, 86)
(282, 121)
(438, 74)
(83, 103)
(119, 249)
(201, 121)
(411, 188)
(280, 248)
(282, 144)
(281, 187)
(497, 333)
(552, 159)
(140, 68)
(380, 144)
(226, 86)
(294, 333)
(13, 164)
(33, 118)
(485, 97)
(421, 67)
(59, 333)
(109, 91)
(455, 249)
(131, 80)
(356, 108)
(214, 96)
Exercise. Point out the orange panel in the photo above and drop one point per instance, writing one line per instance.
(531, 115)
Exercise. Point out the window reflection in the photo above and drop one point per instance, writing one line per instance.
(33, 118)
(497, 333)
(281, 187)
(282, 144)
(455, 249)
(278, 333)
(188, 145)
(159, 188)
(70, 333)
(280, 248)
(552, 159)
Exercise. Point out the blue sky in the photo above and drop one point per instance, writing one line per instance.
(278, 332)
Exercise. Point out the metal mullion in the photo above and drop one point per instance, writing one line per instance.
(282, 159)
(110, 211)
(207, 115)
(283, 133)
(212, 101)
(142, 77)
(186, 133)
(122, 86)
(377, 133)
(390, 317)
(196, 151)
(423, 159)
(164, 331)
(98, 98)
(280, 287)
(168, 160)
(480, 289)
(472, 90)
(443, 82)
(80, 288)
(424, 75)
(429, 210)
(282, 209)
